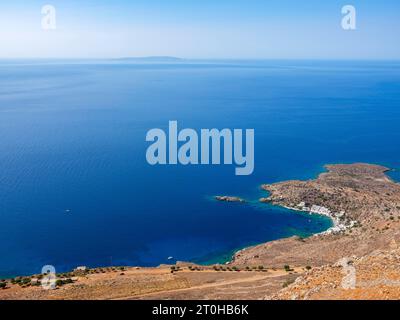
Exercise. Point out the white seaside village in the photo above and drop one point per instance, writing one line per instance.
(339, 222)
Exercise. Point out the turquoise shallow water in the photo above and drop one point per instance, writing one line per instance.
(75, 187)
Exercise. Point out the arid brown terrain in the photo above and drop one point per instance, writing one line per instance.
(187, 282)
(374, 276)
(362, 249)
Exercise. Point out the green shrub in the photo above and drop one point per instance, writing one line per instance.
(25, 281)
(287, 283)
(59, 283)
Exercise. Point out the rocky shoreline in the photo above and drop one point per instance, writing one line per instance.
(340, 223)
(361, 200)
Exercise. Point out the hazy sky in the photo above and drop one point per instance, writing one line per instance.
(201, 29)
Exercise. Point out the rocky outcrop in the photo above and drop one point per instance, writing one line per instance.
(229, 199)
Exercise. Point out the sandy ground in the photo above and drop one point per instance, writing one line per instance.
(160, 283)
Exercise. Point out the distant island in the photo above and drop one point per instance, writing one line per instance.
(152, 59)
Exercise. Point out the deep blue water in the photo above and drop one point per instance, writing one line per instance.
(72, 137)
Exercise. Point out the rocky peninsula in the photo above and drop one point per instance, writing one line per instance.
(361, 199)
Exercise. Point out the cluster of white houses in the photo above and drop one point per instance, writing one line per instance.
(340, 223)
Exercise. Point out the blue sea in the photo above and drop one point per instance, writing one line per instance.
(75, 187)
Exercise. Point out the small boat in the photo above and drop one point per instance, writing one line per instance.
(170, 258)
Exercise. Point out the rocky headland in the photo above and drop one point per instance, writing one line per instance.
(363, 201)
(364, 204)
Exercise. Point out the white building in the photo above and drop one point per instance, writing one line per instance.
(81, 268)
(320, 210)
